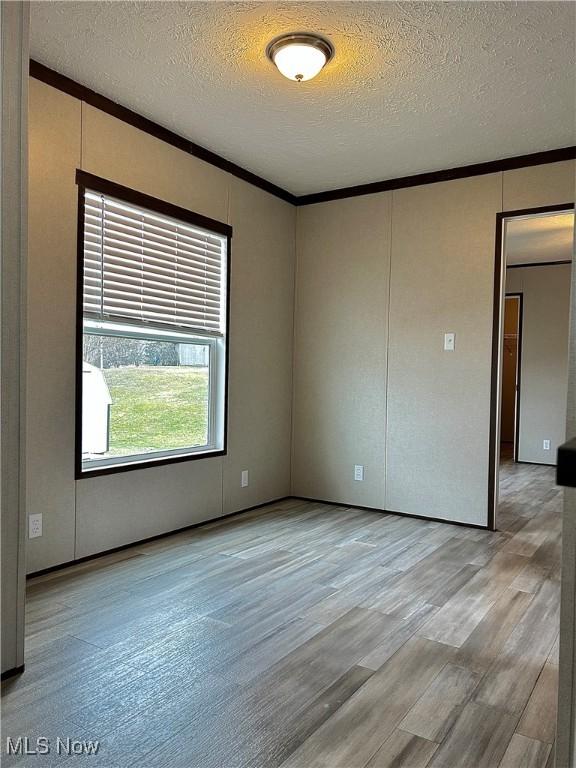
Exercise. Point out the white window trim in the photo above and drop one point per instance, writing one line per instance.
(216, 342)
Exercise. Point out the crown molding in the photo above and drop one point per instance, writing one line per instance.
(79, 91)
(433, 177)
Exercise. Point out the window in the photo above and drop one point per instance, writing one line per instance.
(152, 341)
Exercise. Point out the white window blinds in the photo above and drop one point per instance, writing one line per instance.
(142, 267)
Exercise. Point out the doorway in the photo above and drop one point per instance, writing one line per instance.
(529, 353)
(511, 371)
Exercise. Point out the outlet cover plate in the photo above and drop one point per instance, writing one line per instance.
(449, 342)
(34, 526)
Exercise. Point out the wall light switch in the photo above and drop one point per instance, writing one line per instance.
(546, 445)
(449, 342)
(359, 472)
(34, 526)
(244, 479)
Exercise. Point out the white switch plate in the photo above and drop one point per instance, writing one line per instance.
(546, 445)
(449, 342)
(358, 472)
(244, 479)
(34, 526)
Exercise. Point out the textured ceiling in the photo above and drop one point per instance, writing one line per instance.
(413, 87)
(540, 239)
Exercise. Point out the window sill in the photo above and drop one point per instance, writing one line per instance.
(112, 469)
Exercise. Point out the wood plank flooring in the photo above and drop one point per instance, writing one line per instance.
(305, 635)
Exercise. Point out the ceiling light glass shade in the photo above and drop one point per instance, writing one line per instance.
(299, 62)
(300, 57)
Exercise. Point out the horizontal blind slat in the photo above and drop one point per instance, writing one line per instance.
(113, 304)
(141, 266)
(167, 260)
(155, 224)
(192, 321)
(129, 279)
(174, 240)
(118, 266)
(160, 297)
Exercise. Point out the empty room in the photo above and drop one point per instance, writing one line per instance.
(288, 384)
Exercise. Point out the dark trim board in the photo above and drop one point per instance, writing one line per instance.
(539, 264)
(450, 174)
(128, 195)
(498, 291)
(391, 512)
(7, 674)
(566, 466)
(494, 442)
(79, 351)
(165, 535)
(83, 93)
(86, 181)
(72, 88)
(520, 296)
(537, 463)
(519, 377)
(115, 469)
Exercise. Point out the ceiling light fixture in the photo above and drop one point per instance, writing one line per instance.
(300, 56)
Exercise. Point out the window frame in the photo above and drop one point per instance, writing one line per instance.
(219, 378)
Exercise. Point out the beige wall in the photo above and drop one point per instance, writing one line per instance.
(14, 25)
(381, 279)
(544, 361)
(439, 402)
(538, 186)
(341, 320)
(54, 152)
(93, 514)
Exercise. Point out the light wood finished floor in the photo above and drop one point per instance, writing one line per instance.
(305, 636)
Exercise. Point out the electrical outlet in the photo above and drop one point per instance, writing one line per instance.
(546, 445)
(34, 526)
(449, 342)
(359, 472)
(244, 479)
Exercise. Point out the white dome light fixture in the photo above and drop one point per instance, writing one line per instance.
(300, 56)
